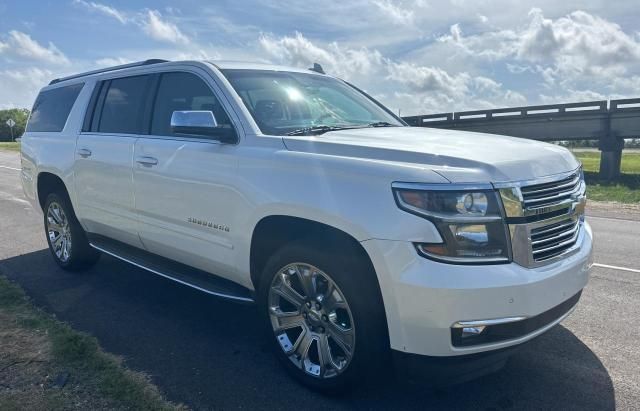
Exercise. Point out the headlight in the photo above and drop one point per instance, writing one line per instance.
(469, 219)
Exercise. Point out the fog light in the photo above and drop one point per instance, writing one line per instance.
(472, 331)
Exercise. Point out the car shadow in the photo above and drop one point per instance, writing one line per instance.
(209, 353)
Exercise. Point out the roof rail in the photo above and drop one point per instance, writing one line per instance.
(104, 70)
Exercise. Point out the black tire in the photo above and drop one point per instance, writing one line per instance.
(356, 280)
(80, 254)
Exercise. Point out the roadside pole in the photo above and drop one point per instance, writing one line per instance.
(11, 123)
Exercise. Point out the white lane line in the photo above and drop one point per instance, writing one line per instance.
(615, 267)
(11, 197)
(10, 168)
(611, 218)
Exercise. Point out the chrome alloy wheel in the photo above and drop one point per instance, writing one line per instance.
(59, 232)
(311, 320)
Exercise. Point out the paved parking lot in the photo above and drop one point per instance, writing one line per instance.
(208, 353)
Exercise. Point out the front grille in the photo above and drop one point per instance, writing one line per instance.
(554, 239)
(549, 194)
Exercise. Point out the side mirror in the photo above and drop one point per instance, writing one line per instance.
(201, 123)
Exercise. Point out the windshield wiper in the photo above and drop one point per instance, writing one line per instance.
(316, 130)
(381, 124)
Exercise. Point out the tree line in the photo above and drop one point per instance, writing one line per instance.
(20, 116)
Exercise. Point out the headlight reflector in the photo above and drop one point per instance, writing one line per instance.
(472, 203)
(469, 219)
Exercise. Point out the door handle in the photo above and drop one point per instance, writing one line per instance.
(147, 161)
(84, 152)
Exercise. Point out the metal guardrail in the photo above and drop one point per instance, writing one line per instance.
(608, 123)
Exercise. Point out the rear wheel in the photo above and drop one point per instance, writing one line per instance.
(67, 240)
(325, 316)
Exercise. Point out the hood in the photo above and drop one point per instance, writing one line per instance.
(459, 156)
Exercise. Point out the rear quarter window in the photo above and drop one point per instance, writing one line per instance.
(52, 108)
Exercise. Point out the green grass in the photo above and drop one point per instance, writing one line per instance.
(625, 189)
(8, 145)
(99, 374)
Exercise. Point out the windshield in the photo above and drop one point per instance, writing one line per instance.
(293, 103)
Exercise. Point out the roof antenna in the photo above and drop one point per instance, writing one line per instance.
(317, 68)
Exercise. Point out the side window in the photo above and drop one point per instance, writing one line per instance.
(123, 107)
(52, 107)
(183, 91)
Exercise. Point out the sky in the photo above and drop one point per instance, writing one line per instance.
(416, 56)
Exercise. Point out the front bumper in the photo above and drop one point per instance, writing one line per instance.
(424, 298)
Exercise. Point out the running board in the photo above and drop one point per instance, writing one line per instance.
(181, 273)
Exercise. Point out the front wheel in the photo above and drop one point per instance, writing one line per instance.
(325, 316)
(67, 240)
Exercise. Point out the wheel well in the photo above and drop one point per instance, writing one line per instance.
(273, 232)
(47, 184)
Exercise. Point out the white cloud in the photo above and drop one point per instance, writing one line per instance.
(341, 61)
(20, 87)
(401, 84)
(397, 14)
(163, 30)
(418, 55)
(22, 45)
(112, 61)
(104, 9)
(576, 44)
(433, 79)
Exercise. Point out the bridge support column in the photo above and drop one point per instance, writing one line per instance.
(610, 164)
(610, 157)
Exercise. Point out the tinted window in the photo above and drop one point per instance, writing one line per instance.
(183, 91)
(52, 107)
(123, 108)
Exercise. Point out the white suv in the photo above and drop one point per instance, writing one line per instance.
(362, 240)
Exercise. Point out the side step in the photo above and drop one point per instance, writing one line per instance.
(183, 274)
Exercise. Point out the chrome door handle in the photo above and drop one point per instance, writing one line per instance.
(84, 152)
(147, 161)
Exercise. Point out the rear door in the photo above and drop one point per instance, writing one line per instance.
(185, 185)
(104, 157)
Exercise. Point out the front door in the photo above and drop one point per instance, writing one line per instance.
(184, 185)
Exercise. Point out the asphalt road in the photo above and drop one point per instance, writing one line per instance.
(208, 353)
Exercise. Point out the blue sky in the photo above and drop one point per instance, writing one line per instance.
(418, 56)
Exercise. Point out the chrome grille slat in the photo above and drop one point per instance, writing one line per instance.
(553, 240)
(556, 196)
(553, 227)
(572, 183)
(552, 193)
(564, 245)
(556, 237)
